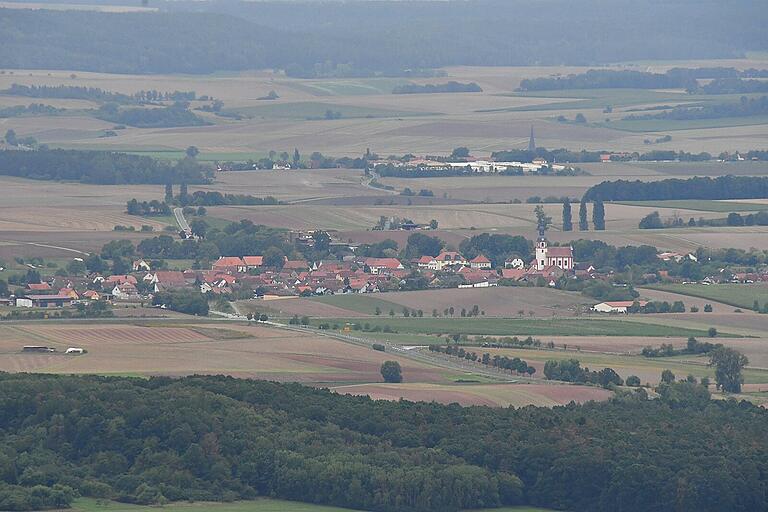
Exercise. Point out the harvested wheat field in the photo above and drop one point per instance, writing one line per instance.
(495, 395)
(243, 351)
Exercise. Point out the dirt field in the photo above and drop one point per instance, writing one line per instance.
(254, 352)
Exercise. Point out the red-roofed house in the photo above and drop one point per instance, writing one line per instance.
(230, 264)
(296, 265)
(252, 262)
(38, 287)
(480, 261)
(378, 265)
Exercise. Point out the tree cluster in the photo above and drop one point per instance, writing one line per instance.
(569, 370)
(99, 167)
(721, 187)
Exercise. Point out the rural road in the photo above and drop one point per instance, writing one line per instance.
(179, 214)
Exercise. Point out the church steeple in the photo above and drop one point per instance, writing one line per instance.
(531, 142)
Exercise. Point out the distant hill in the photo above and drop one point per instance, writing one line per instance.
(310, 39)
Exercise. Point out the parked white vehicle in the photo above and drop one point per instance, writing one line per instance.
(74, 351)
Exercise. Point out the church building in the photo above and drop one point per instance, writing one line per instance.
(561, 257)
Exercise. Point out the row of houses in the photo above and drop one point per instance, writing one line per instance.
(476, 166)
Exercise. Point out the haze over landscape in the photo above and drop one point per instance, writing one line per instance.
(320, 256)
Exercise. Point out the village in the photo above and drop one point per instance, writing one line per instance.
(251, 277)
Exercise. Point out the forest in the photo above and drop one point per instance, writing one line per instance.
(338, 38)
(218, 438)
(722, 187)
(99, 167)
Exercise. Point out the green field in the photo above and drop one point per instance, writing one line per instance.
(260, 505)
(315, 110)
(703, 205)
(360, 303)
(635, 364)
(519, 327)
(658, 125)
(739, 295)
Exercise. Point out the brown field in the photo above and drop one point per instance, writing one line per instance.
(495, 395)
(243, 351)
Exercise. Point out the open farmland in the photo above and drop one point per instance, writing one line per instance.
(498, 301)
(739, 295)
(522, 326)
(497, 118)
(495, 395)
(254, 352)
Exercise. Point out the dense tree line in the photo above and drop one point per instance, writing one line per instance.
(33, 109)
(99, 167)
(722, 187)
(175, 115)
(219, 438)
(609, 79)
(725, 80)
(513, 364)
(448, 87)
(732, 86)
(338, 39)
(692, 347)
(744, 108)
(213, 198)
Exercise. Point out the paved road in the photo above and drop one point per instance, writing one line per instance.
(179, 214)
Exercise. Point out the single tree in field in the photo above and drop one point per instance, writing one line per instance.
(192, 151)
(169, 193)
(598, 215)
(391, 371)
(296, 158)
(728, 364)
(567, 220)
(583, 223)
(542, 219)
(667, 377)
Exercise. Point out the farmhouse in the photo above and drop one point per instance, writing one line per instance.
(252, 262)
(621, 306)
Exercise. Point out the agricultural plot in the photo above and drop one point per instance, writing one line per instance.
(739, 295)
(495, 302)
(494, 395)
(521, 326)
(257, 352)
(317, 111)
(648, 369)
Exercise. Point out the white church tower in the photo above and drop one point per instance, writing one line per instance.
(541, 252)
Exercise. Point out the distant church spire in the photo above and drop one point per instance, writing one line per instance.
(531, 142)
